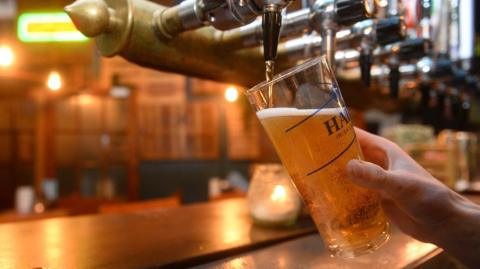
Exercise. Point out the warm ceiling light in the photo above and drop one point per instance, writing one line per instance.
(231, 94)
(54, 82)
(6, 56)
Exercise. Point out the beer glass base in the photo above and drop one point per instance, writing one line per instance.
(355, 251)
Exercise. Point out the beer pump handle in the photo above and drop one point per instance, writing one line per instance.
(440, 109)
(365, 59)
(464, 114)
(413, 48)
(394, 81)
(424, 89)
(456, 111)
(442, 68)
(349, 12)
(473, 85)
(459, 77)
(271, 23)
(390, 30)
(424, 108)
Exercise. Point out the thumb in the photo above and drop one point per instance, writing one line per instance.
(372, 176)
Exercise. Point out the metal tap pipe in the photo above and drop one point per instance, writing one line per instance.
(382, 32)
(379, 32)
(224, 15)
(194, 14)
(407, 72)
(426, 70)
(326, 17)
(406, 51)
(331, 14)
(133, 36)
(310, 46)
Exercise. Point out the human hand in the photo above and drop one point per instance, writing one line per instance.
(413, 199)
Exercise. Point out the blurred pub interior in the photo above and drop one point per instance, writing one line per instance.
(103, 131)
(114, 132)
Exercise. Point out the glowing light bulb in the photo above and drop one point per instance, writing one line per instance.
(231, 94)
(279, 193)
(6, 56)
(54, 82)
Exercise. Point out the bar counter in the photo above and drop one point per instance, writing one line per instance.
(172, 238)
(210, 235)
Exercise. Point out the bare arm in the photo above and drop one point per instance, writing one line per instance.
(415, 201)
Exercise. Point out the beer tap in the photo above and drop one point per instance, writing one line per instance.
(332, 14)
(425, 24)
(432, 102)
(293, 24)
(384, 32)
(425, 73)
(472, 85)
(406, 51)
(393, 7)
(311, 45)
(378, 32)
(193, 14)
(466, 86)
(271, 24)
(394, 77)
(251, 35)
(225, 15)
(328, 16)
(397, 56)
(174, 38)
(464, 114)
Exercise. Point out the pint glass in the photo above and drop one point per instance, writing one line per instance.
(303, 113)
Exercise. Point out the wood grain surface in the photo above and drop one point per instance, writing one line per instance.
(401, 251)
(174, 238)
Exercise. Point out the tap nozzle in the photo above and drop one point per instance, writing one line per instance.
(271, 23)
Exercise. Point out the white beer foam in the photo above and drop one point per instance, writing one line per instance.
(290, 111)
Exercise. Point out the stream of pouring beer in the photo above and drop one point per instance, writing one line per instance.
(269, 72)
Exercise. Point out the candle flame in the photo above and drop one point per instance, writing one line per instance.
(279, 193)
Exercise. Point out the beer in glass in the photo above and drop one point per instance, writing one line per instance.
(309, 125)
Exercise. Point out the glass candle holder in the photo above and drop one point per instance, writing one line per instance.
(272, 199)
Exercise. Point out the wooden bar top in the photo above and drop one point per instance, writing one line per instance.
(179, 237)
(401, 251)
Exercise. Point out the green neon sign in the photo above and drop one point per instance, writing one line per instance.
(47, 27)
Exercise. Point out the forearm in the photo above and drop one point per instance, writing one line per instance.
(461, 237)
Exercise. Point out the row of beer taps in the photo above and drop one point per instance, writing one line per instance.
(407, 48)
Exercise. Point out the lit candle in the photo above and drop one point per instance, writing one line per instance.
(272, 198)
(279, 193)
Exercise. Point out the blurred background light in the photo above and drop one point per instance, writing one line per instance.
(47, 27)
(6, 56)
(231, 94)
(54, 82)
